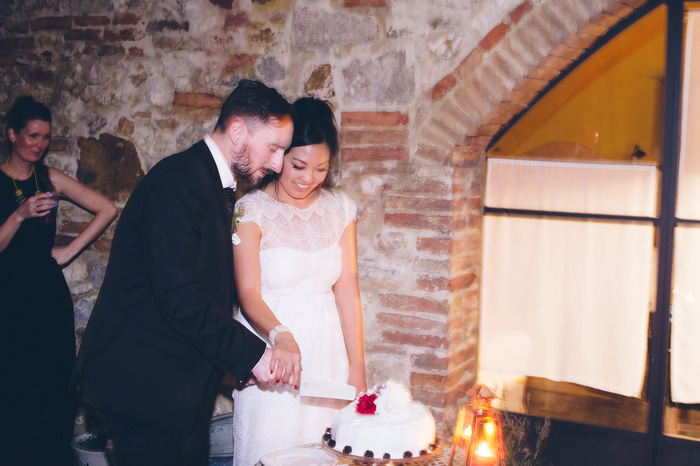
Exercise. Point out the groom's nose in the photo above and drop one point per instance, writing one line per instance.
(277, 161)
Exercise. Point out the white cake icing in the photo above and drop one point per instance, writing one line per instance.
(400, 427)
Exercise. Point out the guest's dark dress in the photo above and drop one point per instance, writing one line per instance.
(37, 342)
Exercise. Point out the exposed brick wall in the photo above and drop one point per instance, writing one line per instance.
(419, 94)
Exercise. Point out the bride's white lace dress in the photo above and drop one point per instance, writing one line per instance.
(300, 260)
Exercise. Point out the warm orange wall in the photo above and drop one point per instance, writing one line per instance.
(609, 104)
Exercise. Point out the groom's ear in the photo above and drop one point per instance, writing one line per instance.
(237, 131)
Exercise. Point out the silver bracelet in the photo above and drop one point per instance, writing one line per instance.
(276, 331)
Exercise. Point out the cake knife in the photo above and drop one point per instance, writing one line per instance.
(322, 387)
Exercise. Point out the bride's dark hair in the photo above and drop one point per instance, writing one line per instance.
(314, 123)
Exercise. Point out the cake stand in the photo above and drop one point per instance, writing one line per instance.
(427, 459)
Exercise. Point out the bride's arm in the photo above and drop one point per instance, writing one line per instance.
(286, 357)
(349, 303)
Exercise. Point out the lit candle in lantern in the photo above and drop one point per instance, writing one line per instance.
(486, 442)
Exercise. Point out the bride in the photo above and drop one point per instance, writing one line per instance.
(296, 276)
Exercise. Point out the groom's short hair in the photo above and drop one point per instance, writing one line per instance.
(255, 103)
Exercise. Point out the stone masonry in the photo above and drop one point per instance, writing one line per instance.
(420, 88)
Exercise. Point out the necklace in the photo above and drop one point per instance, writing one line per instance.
(19, 194)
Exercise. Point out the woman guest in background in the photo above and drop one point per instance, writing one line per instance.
(37, 339)
(296, 276)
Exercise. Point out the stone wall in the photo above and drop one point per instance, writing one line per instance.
(420, 88)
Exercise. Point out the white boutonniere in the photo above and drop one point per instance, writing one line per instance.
(237, 214)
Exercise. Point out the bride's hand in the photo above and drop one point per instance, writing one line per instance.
(286, 360)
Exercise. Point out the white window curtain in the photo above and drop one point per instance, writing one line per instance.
(568, 299)
(685, 307)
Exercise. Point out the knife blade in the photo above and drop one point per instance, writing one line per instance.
(321, 387)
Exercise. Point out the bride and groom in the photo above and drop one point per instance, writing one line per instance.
(161, 333)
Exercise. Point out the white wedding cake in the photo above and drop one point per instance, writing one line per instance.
(383, 423)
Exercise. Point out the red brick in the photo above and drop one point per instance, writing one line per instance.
(417, 186)
(470, 63)
(494, 37)
(167, 25)
(607, 20)
(102, 244)
(124, 35)
(566, 52)
(373, 118)
(364, 3)
(429, 398)
(7, 59)
(419, 222)
(15, 44)
(51, 23)
(620, 10)
(225, 4)
(546, 74)
(126, 19)
(62, 240)
(240, 61)
(374, 154)
(462, 281)
(413, 339)
(580, 40)
(434, 245)
(492, 130)
(135, 51)
(193, 99)
(82, 34)
(68, 227)
(555, 63)
(58, 145)
(237, 19)
(520, 11)
(531, 85)
(375, 137)
(430, 152)
(87, 21)
(521, 97)
(429, 362)
(39, 74)
(593, 29)
(410, 322)
(412, 303)
(443, 87)
(429, 283)
(434, 381)
(414, 204)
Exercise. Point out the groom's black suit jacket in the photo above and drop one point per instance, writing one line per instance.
(162, 327)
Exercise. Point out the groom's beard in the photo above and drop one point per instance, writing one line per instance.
(243, 170)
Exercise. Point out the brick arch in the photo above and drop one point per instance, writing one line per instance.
(498, 79)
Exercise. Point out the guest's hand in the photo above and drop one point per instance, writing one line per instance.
(62, 255)
(38, 205)
(286, 360)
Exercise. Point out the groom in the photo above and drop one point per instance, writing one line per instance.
(161, 332)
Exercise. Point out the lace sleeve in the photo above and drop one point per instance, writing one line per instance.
(350, 208)
(250, 206)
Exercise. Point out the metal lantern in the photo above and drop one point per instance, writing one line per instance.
(478, 431)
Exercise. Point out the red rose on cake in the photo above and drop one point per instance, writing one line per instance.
(366, 405)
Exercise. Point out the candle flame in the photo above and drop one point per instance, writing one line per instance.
(468, 432)
(490, 428)
(483, 451)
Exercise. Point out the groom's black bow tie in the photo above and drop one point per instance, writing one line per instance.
(230, 196)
